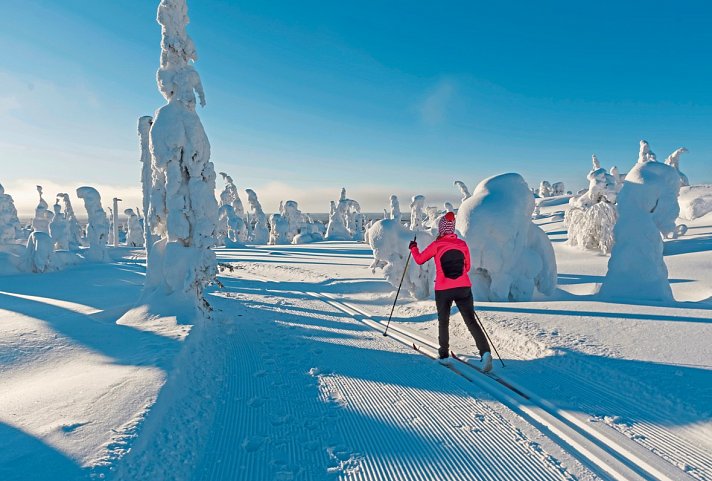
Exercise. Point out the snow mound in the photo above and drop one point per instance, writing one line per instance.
(695, 201)
(389, 241)
(511, 256)
(647, 207)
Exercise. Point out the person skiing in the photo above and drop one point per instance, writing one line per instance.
(452, 284)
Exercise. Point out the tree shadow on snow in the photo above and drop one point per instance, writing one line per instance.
(24, 457)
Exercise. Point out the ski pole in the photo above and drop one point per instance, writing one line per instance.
(385, 333)
(488, 338)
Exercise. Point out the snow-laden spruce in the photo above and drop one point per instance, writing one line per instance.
(647, 208)
(463, 190)
(389, 240)
(59, 229)
(418, 216)
(279, 230)
(258, 226)
(592, 215)
(673, 160)
(232, 222)
(97, 231)
(346, 222)
(43, 216)
(10, 227)
(511, 256)
(134, 231)
(395, 211)
(144, 129)
(76, 233)
(183, 210)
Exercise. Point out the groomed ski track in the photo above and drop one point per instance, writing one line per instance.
(311, 393)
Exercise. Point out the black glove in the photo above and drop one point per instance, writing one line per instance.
(412, 244)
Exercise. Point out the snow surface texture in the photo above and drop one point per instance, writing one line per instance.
(511, 256)
(134, 234)
(389, 240)
(695, 201)
(345, 220)
(183, 207)
(10, 228)
(144, 129)
(592, 215)
(259, 230)
(647, 207)
(97, 232)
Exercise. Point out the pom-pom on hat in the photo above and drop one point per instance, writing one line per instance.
(447, 224)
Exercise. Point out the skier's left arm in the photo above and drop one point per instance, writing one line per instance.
(422, 257)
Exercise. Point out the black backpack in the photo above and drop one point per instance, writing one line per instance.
(452, 263)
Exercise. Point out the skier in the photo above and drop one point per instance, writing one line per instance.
(452, 283)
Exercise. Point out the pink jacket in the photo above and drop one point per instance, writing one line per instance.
(452, 261)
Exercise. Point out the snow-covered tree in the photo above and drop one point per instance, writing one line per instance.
(259, 230)
(645, 154)
(418, 215)
(183, 209)
(144, 129)
(449, 207)
(463, 190)
(545, 189)
(39, 253)
(97, 232)
(343, 224)
(648, 208)
(59, 229)
(592, 215)
(395, 208)
(389, 241)
(134, 232)
(294, 217)
(511, 256)
(673, 160)
(74, 228)
(43, 216)
(279, 230)
(558, 188)
(228, 227)
(10, 228)
(232, 222)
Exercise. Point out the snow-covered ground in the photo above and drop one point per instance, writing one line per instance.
(292, 378)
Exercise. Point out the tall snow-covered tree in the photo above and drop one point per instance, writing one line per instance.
(144, 129)
(183, 208)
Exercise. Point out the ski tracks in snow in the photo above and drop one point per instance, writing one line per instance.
(311, 393)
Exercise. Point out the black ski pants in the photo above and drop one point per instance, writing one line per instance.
(462, 296)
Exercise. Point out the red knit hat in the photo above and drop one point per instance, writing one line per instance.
(446, 224)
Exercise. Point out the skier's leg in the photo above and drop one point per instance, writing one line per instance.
(443, 301)
(466, 306)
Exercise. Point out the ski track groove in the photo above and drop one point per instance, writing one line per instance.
(609, 443)
(437, 447)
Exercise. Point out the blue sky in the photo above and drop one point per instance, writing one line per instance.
(380, 97)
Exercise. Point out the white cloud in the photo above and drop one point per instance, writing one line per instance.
(434, 107)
